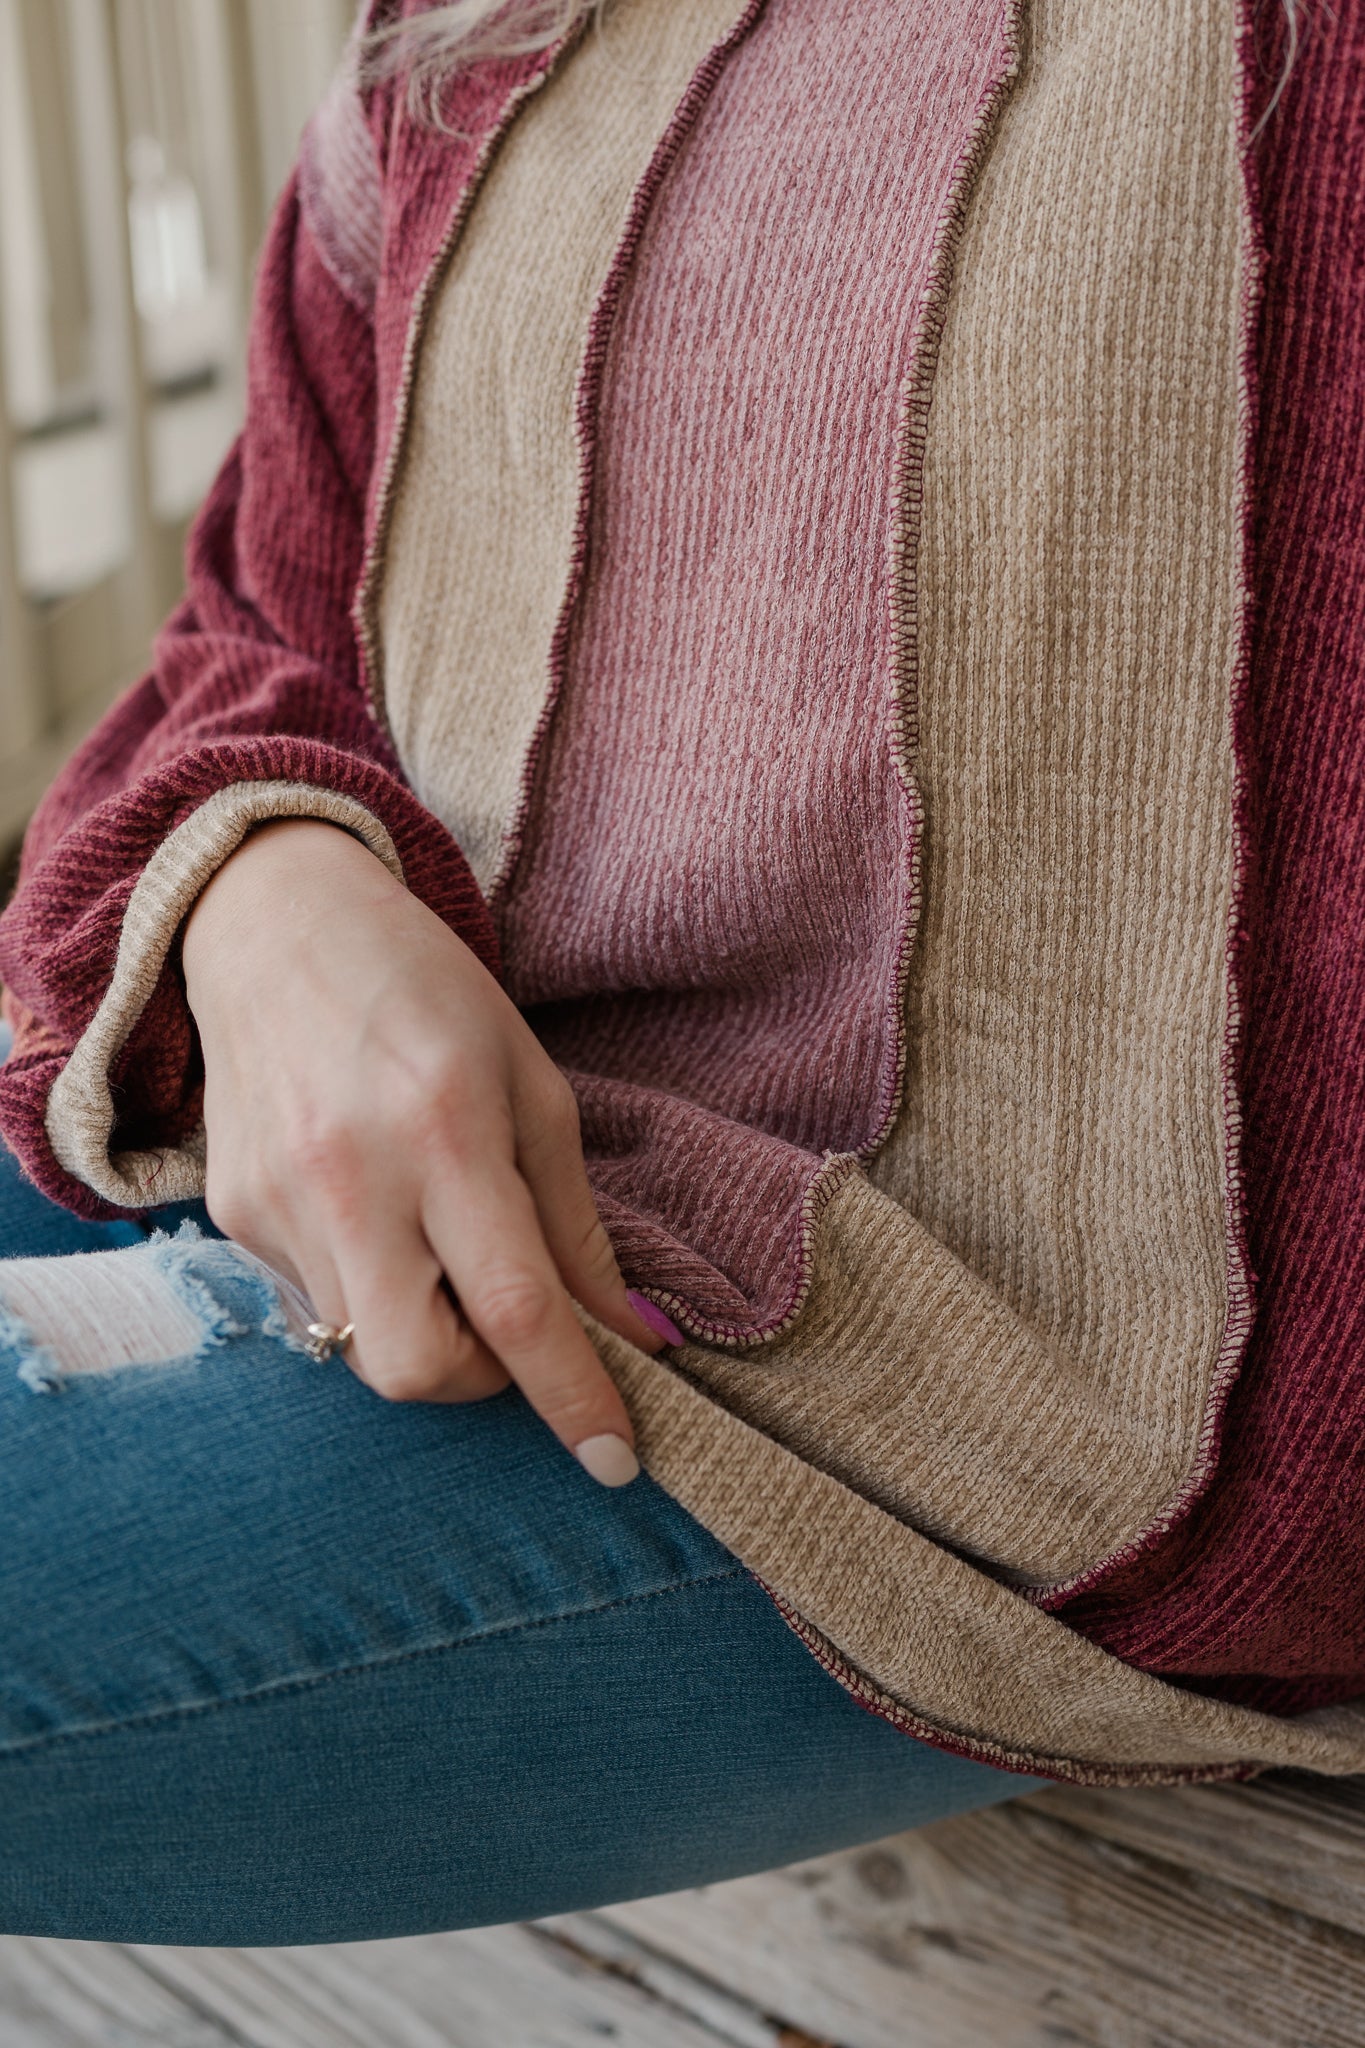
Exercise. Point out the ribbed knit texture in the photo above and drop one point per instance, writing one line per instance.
(709, 918)
(1038, 1399)
(982, 1348)
(1065, 1132)
(474, 577)
(752, 1020)
(83, 1110)
(1260, 1594)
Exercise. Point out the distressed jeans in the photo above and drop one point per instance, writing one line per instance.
(281, 1662)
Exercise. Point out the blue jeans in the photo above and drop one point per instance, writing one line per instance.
(284, 1663)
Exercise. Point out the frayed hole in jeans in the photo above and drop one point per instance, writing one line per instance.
(157, 1303)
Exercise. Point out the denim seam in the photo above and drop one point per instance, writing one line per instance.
(281, 1688)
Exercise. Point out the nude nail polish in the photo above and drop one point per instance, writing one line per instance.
(607, 1459)
(648, 1312)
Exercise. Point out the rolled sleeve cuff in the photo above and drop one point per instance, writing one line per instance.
(81, 1115)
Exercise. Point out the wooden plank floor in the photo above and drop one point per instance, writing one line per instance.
(1210, 1917)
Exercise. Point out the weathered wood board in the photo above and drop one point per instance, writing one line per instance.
(500, 1986)
(494, 1988)
(74, 1994)
(1208, 1917)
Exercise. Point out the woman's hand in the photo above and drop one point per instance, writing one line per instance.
(384, 1129)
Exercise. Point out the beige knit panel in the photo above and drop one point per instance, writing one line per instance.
(492, 470)
(1064, 1131)
(81, 1113)
(1021, 1357)
(922, 1635)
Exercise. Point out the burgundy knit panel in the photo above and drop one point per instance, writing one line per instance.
(255, 678)
(1260, 1594)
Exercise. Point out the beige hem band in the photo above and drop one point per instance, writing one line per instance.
(925, 1632)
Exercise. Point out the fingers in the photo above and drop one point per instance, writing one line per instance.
(358, 1261)
(550, 1158)
(410, 1343)
(445, 1213)
(485, 1230)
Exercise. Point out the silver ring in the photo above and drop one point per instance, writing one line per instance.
(325, 1338)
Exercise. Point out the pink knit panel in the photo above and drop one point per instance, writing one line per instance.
(722, 972)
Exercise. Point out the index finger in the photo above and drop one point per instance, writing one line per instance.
(484, 1229)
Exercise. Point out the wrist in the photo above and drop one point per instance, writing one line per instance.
(287, 877)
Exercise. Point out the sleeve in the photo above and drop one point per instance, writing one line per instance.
(255, 708)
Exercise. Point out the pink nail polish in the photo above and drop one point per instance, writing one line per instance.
(661, 1324)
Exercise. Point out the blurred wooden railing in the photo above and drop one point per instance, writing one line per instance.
(140, 144)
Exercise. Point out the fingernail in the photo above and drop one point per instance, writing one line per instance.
(661, 1324)
(608, 1459)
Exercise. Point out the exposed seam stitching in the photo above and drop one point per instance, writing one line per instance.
(983, 1749)
(369, 591)
(906, 528)
(1239, 1310)
(588, 394)
(825, 1176)
(282, 1688)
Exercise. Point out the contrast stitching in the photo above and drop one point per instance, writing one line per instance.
(282, 1688)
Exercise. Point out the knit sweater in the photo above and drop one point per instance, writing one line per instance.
(801, 566)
